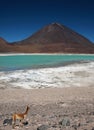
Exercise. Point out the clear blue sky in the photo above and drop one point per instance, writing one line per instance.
(21, 18)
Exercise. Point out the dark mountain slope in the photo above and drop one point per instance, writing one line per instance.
(53, 38)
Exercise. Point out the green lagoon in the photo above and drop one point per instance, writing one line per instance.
(31, 61)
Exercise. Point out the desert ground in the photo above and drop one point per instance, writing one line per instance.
(59, 98)
(70, 108)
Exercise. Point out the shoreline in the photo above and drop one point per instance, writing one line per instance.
(53, 95)
(75, 75)
(12, 54)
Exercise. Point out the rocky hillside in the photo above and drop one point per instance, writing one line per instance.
(4, 46)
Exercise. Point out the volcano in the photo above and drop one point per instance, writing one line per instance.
(54, 38)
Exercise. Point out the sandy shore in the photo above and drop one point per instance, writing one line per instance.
(50, 107)
(59, 98)
(7, 54)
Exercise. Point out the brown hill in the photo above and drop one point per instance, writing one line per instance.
(4, 46)
(54, 38)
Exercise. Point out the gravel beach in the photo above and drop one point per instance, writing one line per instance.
(67, 106)
(51, 108)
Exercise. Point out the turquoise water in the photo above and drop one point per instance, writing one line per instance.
(15, 62)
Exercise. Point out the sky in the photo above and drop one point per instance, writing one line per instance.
(19, 19)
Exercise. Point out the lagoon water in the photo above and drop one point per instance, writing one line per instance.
(29, 61)
(20, 71)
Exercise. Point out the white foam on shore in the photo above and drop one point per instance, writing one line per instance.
(75, 75)
(13, 54)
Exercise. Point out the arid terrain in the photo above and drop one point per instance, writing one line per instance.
(50, 109)
(60, 98)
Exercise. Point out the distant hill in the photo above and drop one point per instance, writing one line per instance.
(3, 45)
(53, 38)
